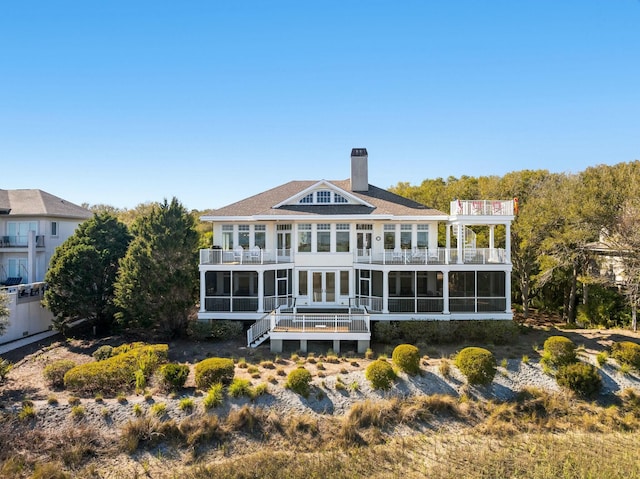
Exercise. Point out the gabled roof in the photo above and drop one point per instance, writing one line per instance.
(39, 203)
(381, 201)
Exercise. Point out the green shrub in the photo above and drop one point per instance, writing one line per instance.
(407, 358)
(443, 332)
(118, 372)
(54, 372)
(240, 387)
(581, 378)
(103, 352)
(380, 374)
(186, 404)
(298, 381)
(559, 351)
(5, 367)
(215, 330)
(214, 396)
(214, 370)
(174, 376)
(477, 364)
(626, 352)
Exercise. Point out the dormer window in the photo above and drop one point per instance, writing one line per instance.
(307, 199)
(323, 197)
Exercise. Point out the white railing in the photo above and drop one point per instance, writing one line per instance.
(472, 304)
(274, 302)
(245, 256)
(321, 322)
(258, 329)
(372, 303)
(482, 207)
(433, 256)
(416, 305)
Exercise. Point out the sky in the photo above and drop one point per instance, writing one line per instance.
(123, 102)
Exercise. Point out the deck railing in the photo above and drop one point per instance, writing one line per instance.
(320, 322)
(482, 207)
(432, 256)
(245, 256)
(20, 241)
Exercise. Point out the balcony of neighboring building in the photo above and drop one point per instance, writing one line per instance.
(20, 242)
(482, 207)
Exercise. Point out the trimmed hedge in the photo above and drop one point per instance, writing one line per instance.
(380, 374)
(559, 351)
(54, 372)
(581, 378)
(626, 352)
(214, 370)
(117, 373)
(298, 381)
(407, 358)
(174, 375)
(477, 364)
(498, 332)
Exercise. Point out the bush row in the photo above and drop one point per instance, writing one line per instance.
(118, 372)
(444, 332)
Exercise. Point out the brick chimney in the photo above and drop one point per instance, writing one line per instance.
(359, 170)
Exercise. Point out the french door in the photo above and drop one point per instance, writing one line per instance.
(323, 285)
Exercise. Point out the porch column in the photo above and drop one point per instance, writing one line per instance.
(447, 244)
(460, 243)
(203, 291)
(445, 292)
(492, 229)
(261, 291)
(507, 242)
(31, 257)
(336, 346)
(507, 290)
(385, 292)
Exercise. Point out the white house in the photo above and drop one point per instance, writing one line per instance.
(32, 224)
(320, 260)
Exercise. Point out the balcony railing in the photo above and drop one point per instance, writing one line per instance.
(482, 207)
(20, 241)
(244, 303)
(320, 323)
(245, 256)
(435, 304)
(433, 256)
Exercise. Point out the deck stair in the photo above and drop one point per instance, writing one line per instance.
(259, 331)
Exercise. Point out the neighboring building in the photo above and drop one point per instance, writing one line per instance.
(32, 224)
(320, 260)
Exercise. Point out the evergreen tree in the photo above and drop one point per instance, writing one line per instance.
(83, 270)
(156, 286)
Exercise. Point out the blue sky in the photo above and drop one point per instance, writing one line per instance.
(124, 102)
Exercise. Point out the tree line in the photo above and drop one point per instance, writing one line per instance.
(139, 268)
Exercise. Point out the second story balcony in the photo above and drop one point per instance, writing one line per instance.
(419, 256)
(20, 241)
(245, 256)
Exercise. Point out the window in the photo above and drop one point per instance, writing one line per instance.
(323, 238)
(339, 198)
(302, 283)
(405, 236)
(243, 236)
(54, 228)
(227, 237)
(390, 237)
(307, 199)
(423, 236)
(342, 237)
(304, 238)
(259, 239)
(344, 283)
(323, 197)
